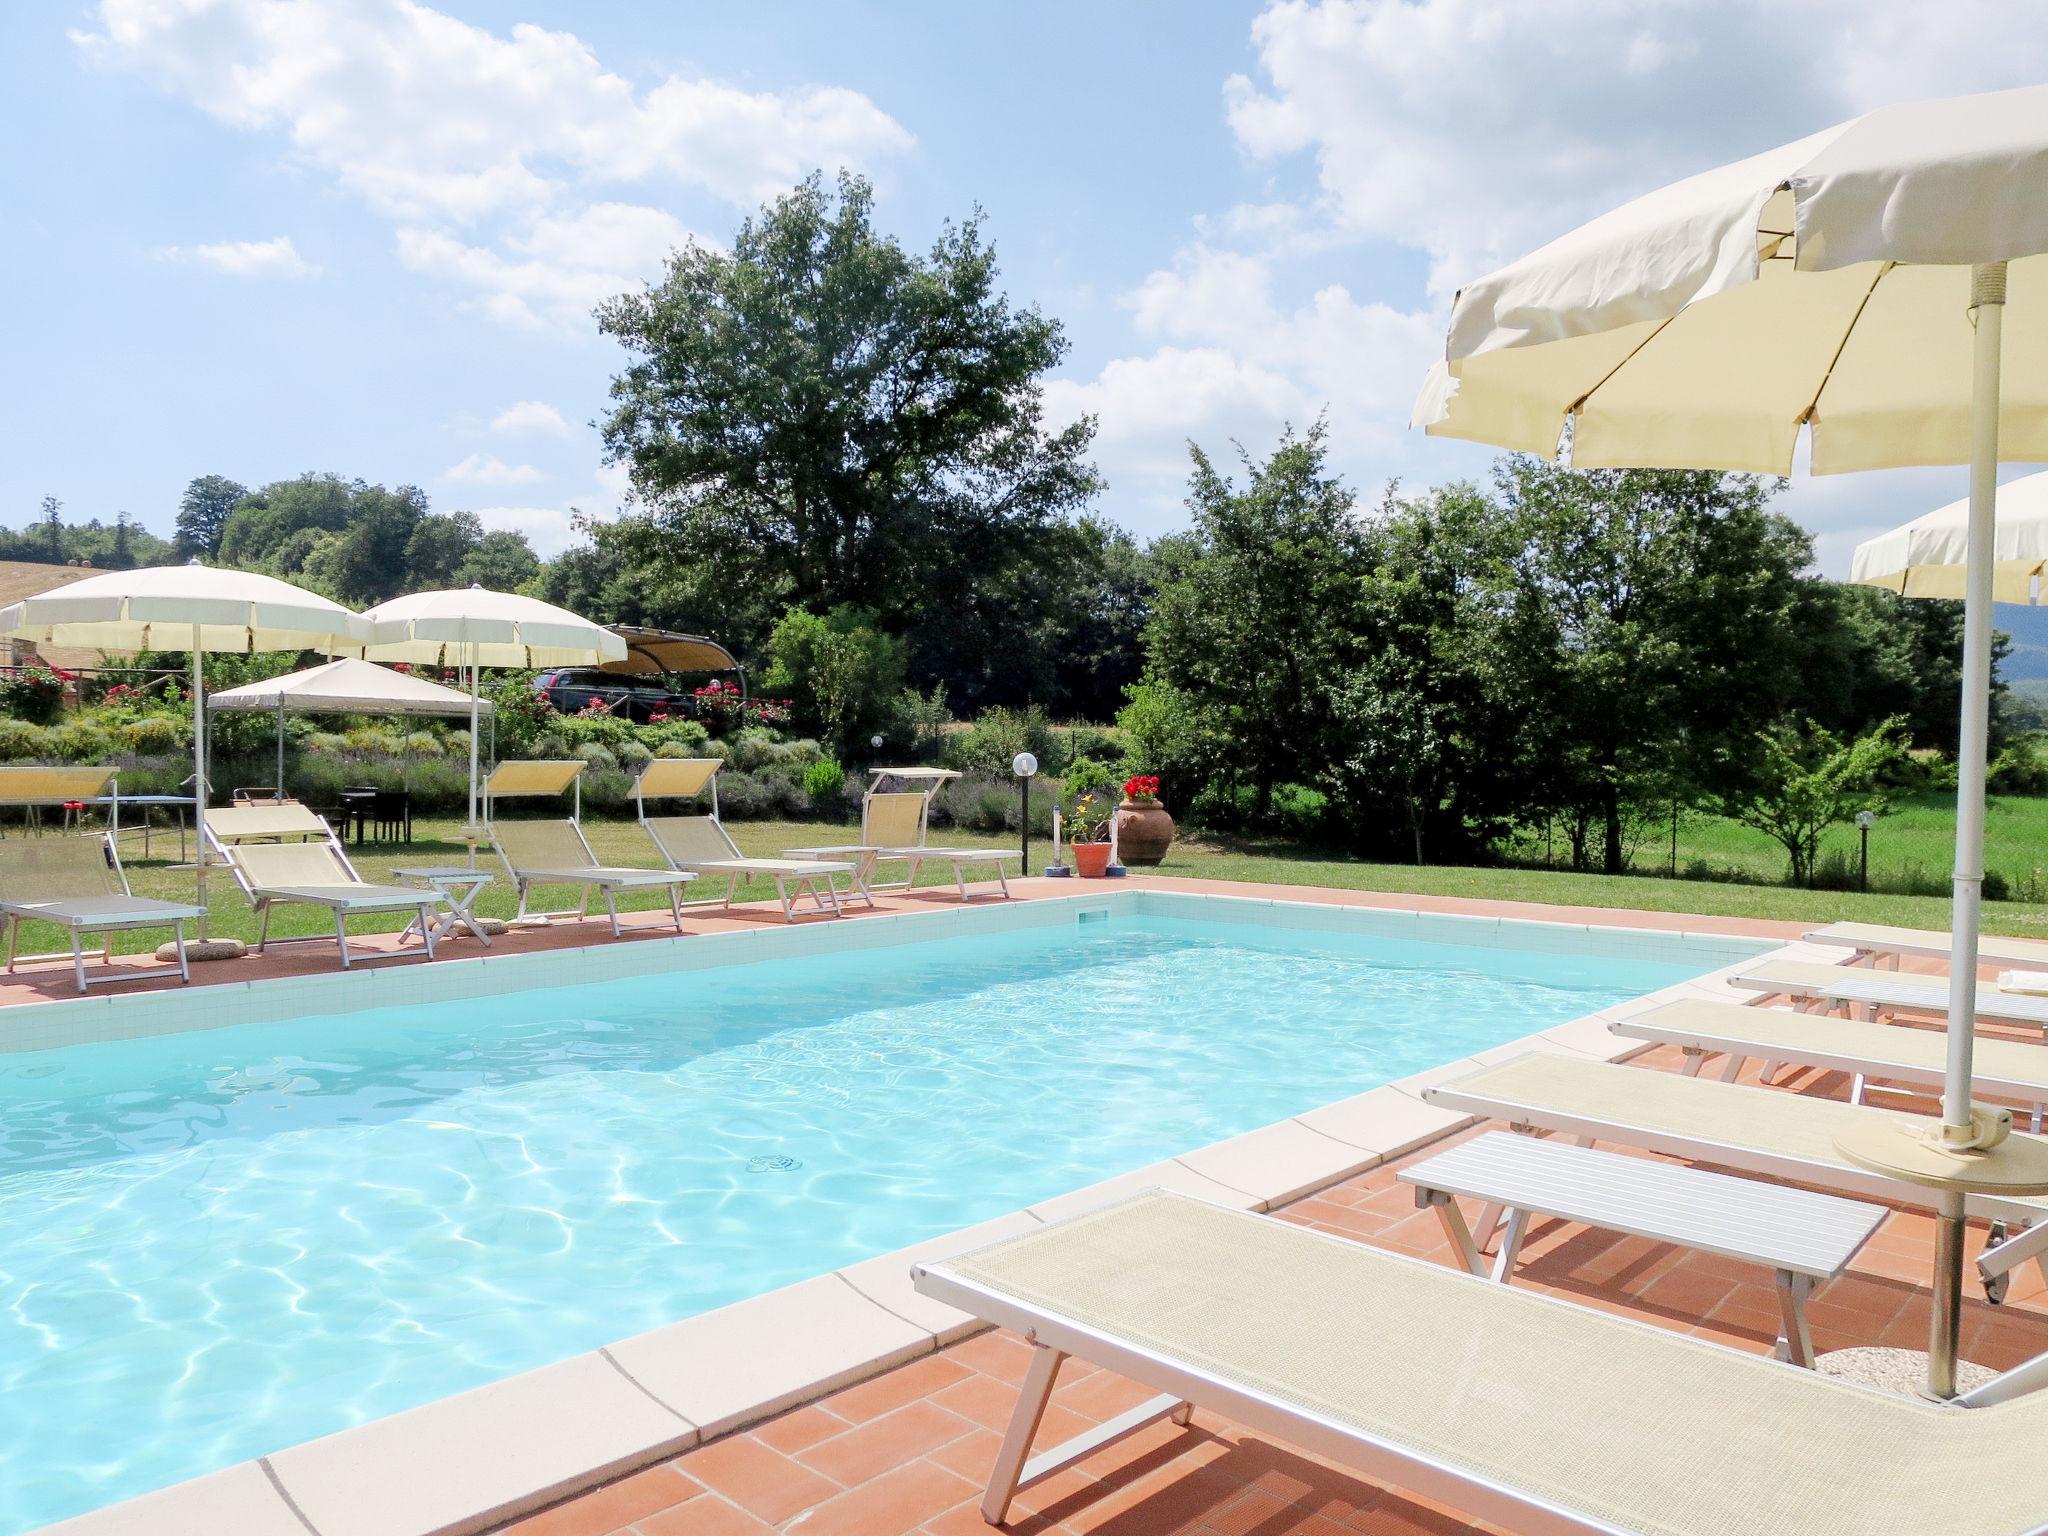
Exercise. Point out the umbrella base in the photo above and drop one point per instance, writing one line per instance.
(1903, 1371)
(204, 949)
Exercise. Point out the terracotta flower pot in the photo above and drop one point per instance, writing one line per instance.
(1091, 860)
(1143, 831)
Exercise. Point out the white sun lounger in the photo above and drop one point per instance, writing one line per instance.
(557, 853)
(1893, 1053)
(702, 846)
(1855, 986)
(895, 824)
(285, 855)
(1876, 944)
(1522, 1409)
(76, 881)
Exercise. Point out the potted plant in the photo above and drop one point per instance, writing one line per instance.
(1144, 831)
(1087, 823)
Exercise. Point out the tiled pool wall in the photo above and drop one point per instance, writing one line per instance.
(472, 1461)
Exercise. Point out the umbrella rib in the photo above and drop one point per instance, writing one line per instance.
(1847, 331)
(1574, 408)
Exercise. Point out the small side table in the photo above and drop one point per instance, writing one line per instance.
(458, 888)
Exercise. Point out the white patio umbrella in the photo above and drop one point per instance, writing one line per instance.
(1929, 557)
(194, 608)
(1855, 284)
(479, 628)
(343, 687)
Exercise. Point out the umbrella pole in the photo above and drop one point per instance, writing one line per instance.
(470, 830)
(280, 744)
(199, 774)
(1987, 310)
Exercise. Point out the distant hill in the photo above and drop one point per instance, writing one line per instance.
(2028, 627)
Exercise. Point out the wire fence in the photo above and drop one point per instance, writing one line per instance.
(1908, 850)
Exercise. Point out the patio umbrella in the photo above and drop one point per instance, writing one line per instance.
(481, 628)
(343, 687)
(1929, 557)
(1855, 284)
(194, 608)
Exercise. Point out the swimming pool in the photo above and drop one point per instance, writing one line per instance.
(217, 1243)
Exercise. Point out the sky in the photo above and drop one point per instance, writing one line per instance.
(258, 237)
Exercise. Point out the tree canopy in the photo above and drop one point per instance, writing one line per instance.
(819, 418)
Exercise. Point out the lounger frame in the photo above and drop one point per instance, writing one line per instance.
(530, 778)
(149, 914)
(819, 887)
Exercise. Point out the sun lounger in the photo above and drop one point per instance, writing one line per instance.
(1855, 986)
(76, 881)
(285, 855)
(1874, 944)
(894, 825)
(701, 845)
(554, 852)
(1524, 1410)
(2013, 1069)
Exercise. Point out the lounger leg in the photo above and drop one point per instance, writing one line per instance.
(675, 905)
(1797, 1343)
(611, 907)
(1455, 1230)
(1032, 1397)
(1734, 1068)
(1003, 880)
(263, 927)
(13, 940)
(341, 936)
(1695, 1058)
(78, 957)
(1483, 1229)
(428, 921)
(1856, 1086)
(178, 942)
(1510, 1245)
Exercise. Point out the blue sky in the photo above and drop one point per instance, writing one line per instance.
(255, 237)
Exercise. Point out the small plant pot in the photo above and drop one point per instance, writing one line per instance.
(1143, 831)
(1091, 860)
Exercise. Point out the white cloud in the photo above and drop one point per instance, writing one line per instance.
(530, 416)
(488, 469)
(1476, 129)
(276, 257)
(550, 530)
(492, 153)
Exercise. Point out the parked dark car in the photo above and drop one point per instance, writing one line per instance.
(571, 690)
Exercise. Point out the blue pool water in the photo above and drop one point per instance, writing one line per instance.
(217, 1244)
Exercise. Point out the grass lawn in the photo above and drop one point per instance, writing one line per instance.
(1233, 859)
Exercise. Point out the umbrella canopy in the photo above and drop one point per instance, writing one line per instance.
(1856, 284)
(475, 627)
(471, 626)
(661, 650)
(1821, 285)
(348, 687)
(1929, 556)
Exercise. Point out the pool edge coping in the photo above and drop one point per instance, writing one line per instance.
(465, 1463)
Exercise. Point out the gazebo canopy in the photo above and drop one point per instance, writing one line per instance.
(662, 650)
(348, 687)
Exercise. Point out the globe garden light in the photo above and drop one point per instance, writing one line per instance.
(1024, 765)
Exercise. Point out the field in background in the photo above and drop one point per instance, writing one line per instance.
(1251, 859)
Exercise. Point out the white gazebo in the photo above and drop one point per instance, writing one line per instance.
(345, 687)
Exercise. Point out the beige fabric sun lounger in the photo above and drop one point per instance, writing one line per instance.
(557, 853)
(2013, 1069)
(285, 855)
(702, 846)
(1872, 943)
(894, 825)
(1527, 1411)
(1856, 986)
(77, 883)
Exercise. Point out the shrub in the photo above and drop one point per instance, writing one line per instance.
(633, 755)
(688, 735)
(825, 782)
(22, 742)
(751, 747)
(81, 741)
(606, 789)
(599, 758)
(1996, 886)
(34, 694)
(153, 734)
(1084, 775)
(840, 673)
(1298, 811)
(425, 744)
(988, 747)
(374, 740)
(742, 796)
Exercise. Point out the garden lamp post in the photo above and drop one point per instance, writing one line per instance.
(1024, 765)
(1865, 820)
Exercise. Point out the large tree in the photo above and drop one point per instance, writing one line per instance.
(203, 513)
(1253, 625)
(1655, 620)
(819, 417)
